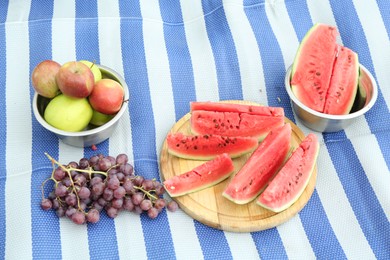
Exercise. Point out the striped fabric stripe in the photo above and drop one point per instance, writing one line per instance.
(269, 244)
(180, 69)
(384, 7)
(171, 54)
(225, 55)
(41, 52)
(3, 118)
(160, 84)
(18, 200)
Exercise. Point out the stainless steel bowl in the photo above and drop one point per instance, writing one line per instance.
(332, 123)
(92, 134)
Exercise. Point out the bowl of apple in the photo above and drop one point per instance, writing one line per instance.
(79, 101)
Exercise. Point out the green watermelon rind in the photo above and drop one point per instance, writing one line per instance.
(195, 172)
(298, 194)
(224, 149)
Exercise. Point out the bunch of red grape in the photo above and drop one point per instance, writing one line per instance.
(82, 190)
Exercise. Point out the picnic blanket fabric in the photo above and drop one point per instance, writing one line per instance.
(171, 53)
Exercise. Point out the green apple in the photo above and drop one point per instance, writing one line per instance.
(99, 119)
(68, 113)
(95, 69)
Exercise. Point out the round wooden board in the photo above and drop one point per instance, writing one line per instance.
(209, 207)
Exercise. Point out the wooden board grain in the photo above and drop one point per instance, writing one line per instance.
(209, 207)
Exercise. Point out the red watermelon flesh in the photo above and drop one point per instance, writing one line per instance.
(261, 166)
(203, 176)
(238, 108)
(313, 64)
(292, 179)
(343, 84)
(206, 147)
(233, 124)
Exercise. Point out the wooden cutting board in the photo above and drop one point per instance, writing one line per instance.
(209, 207)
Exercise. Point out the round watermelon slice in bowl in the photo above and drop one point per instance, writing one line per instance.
(327, 85)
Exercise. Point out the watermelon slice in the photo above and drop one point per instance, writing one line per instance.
(313, 64)
(343, 84)
(238, 108)
(233, 124)
(292, 179)
(206, 147)
(201, 177)
(261, 166)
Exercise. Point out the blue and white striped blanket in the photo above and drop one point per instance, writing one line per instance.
(171, 53)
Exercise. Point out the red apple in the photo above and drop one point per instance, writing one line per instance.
(75, 79)
(107, 96)
(43, 78)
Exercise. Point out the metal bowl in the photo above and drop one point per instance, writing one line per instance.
(92, 134)
(332, 123)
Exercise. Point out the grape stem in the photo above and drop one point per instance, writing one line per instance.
(43, 185)
(89, 171)
(150, 195)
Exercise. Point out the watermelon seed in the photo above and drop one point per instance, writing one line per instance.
(195, 147)
(318, 73)
(177, 145)
(215, 120)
